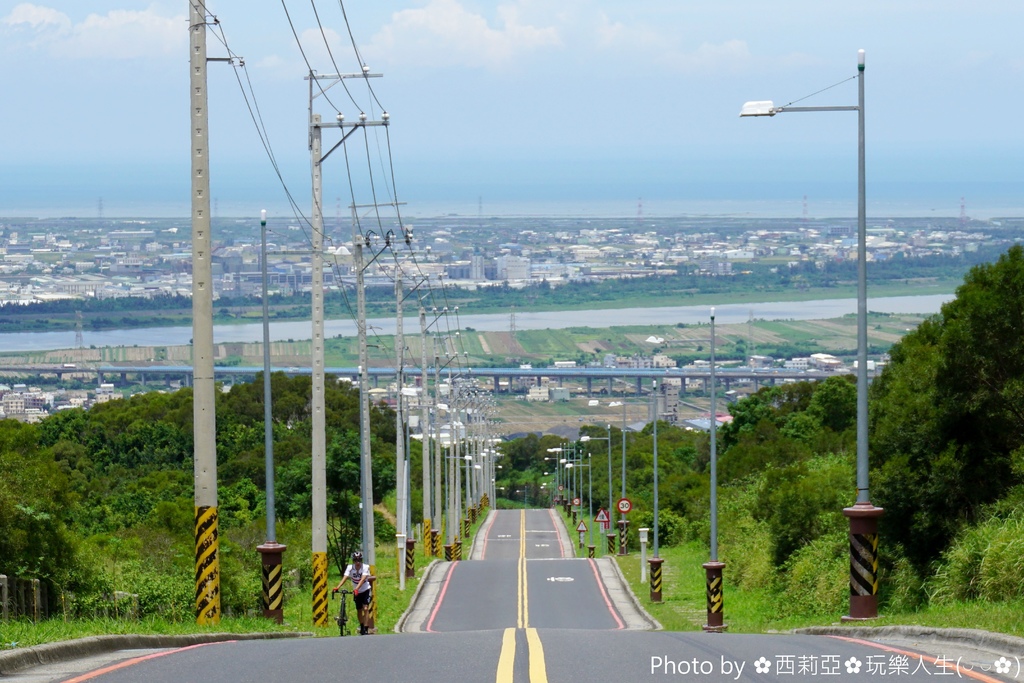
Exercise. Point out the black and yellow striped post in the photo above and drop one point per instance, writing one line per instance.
(457, 550)
(472, 514)
(574, 518)
(273, 584)
(863, 561)
(207, 567)
(465, 527)
(611, 542)
(716, 597)
(435, 542)
(428, 539)
(410, 558)
(320, 608)
(372, 626)
(655, 563)
(590, 551)
(449, 552)
(485, 501)
(623, 528)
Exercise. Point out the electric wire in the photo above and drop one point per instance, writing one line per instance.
(818, 92)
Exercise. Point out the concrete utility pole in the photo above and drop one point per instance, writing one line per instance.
(400, 472)
(207, 560)
(425, 427)
(365, 463)
(318, 408)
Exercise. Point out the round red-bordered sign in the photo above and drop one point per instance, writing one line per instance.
(624, 505)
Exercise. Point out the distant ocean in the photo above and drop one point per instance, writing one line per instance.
(161, 194)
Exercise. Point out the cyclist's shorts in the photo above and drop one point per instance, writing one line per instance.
(362, 599)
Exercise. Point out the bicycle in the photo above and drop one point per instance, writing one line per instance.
(342, 618)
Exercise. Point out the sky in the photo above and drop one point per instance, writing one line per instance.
(523, 106)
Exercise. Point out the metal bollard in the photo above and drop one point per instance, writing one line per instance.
(715, 597)
(863, 561)
(656, 578)
(273, 588)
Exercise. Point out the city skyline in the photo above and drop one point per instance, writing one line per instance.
(582, 108)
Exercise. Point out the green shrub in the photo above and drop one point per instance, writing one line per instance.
(816, 578)
(985, 561)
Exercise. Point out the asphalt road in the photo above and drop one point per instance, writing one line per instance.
(520, 612)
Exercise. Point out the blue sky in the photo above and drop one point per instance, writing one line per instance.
(573, 103)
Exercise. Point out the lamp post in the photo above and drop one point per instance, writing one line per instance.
(713, 568)
(863, 515)
(585, 438)
(655, 561)
(622, 521)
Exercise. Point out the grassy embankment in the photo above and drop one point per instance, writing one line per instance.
(298, 608)
(683, 607)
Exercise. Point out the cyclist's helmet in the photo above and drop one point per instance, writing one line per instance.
(357, 556)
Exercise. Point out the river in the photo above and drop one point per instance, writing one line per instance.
(525, 320)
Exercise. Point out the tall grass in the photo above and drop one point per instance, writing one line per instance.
(984, 562)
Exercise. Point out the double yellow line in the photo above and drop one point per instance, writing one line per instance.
(506, 660)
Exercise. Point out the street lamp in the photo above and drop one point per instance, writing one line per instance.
(713, 568)
(622, 521)
(585, 438)
(863, 515)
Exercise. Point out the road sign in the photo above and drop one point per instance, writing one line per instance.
(581, 527)
(624, 505)
(576, 501)
(602, 516)
(560, 487)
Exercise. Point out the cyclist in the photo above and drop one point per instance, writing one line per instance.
(359, 574)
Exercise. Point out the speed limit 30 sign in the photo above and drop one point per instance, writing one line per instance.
(624, 505)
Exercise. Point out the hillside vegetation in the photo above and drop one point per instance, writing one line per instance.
(98, 501)
(947, 464)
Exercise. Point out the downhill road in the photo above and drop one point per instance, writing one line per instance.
(523, 610)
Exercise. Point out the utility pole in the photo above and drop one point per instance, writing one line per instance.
(318, 408)
(428, 519)
(400, 472)
(207, 560)
(365, 463)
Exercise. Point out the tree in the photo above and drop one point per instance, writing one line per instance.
(948, 412)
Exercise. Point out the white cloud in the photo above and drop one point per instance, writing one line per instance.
(446, 33)
(38, 17)
(118, 34)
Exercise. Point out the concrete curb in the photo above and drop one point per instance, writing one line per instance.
(655, 625)
(428, 576)
(477, 549)
(62, 651)
(568, 549)
(975, 638)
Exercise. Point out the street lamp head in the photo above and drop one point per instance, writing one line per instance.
(860, 60)
(758, 108)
